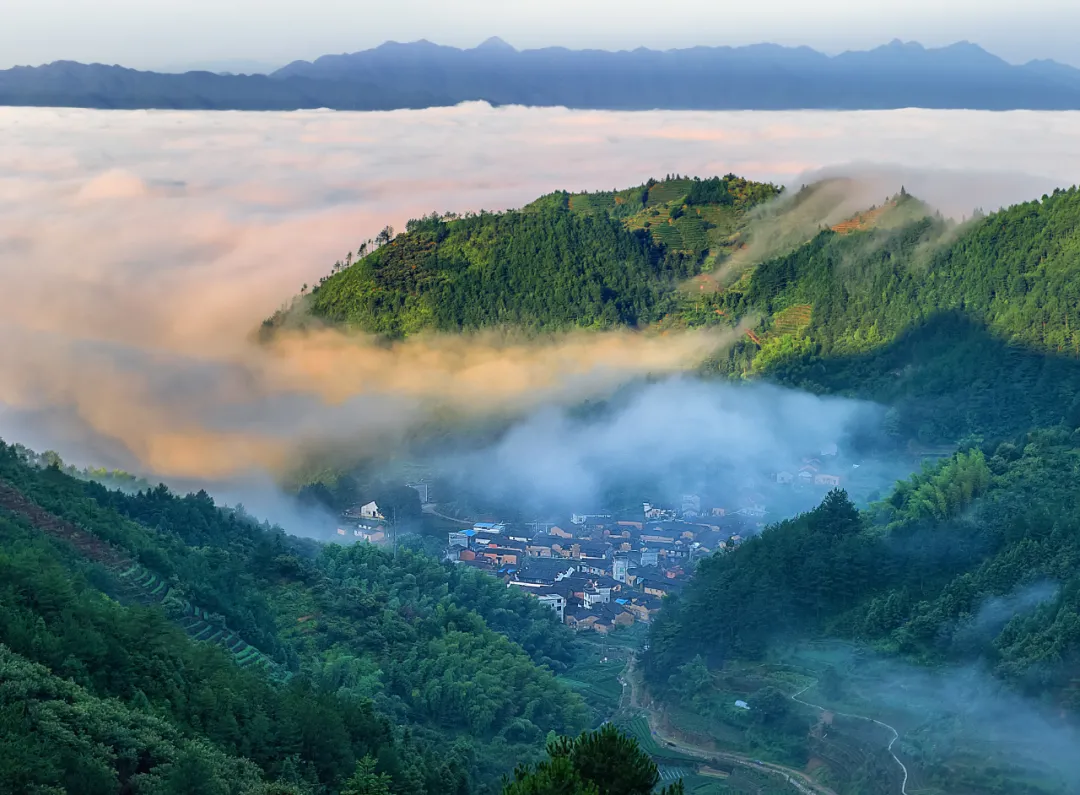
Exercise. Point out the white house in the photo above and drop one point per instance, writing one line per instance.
(371, 511)
(619, 568)
(785, 478)
(556, 602)
(585, 518)
(459, 539)
(597, 596)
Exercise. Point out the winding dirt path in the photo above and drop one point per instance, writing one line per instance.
(430, 509)
(889, 748)
(796, 778)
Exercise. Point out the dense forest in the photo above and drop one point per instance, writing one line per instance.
(592, 260)
(320, 663)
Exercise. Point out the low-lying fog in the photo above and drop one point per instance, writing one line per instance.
(138, 250)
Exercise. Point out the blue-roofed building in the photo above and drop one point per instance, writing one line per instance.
(460, 538)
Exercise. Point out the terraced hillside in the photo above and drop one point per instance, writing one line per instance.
(372, 650)
(134, 583)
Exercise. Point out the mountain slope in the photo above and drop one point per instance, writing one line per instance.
(967, 570)
(756, 77)
(967, 329)
(423, 74)
(70, 84)
(417, 665)
(590, 260)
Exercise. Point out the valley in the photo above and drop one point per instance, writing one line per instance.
(839, 556)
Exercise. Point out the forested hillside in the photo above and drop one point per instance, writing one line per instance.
(970, 565)
(898, 305)
(593, 260)
(148, 641)
(968, 330)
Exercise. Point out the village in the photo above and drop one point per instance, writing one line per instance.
(604, 570)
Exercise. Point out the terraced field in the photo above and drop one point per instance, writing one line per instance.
(792, 320)
(138, 584)
(694, 237)
(638, 727)
(668, 234)
(668, 191)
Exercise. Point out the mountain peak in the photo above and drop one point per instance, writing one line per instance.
(897, 44)
(495, 44)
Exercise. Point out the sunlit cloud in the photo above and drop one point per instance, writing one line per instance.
(139, 250)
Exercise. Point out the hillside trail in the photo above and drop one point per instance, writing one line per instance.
(889, 748)
(430, 509)
(796, 778)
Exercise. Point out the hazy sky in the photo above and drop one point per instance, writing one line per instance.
(169, 34)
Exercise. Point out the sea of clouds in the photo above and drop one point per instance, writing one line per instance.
(139, 249)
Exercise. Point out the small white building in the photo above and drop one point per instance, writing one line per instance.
(619, 568)
(785, 478)
(597, 596)
(585, 518)
(556, 602)
(371, 511)
(649, 557)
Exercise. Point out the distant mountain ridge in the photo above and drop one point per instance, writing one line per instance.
(425, 74)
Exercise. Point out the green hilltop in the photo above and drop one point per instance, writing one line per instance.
(593, 260)
(894, 303)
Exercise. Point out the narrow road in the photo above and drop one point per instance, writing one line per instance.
(796, 778)
(430, 508)
(895, 733)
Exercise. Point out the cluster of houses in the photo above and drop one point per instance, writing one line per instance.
(811, 473)
(597, 572)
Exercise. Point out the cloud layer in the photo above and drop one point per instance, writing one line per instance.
(139, 249)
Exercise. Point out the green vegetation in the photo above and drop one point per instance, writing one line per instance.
(971, 562)
(601, 762)
(566, 260)
(148, 641)
(441, 676)
(964, 331)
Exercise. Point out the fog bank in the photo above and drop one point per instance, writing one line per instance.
(138, 250)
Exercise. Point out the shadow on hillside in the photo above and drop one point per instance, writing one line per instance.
(951, 377)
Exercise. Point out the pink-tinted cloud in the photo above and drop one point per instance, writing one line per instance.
(139, 249)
